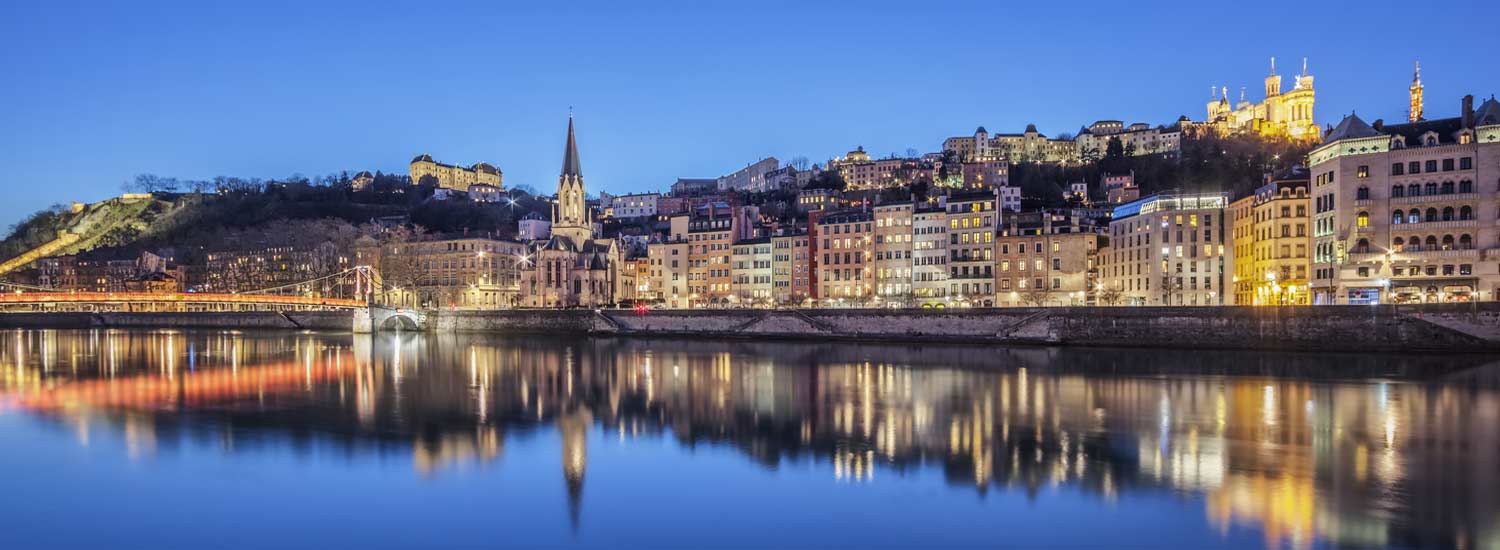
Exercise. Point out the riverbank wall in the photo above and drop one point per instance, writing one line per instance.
(1460, 328)
(1433, 328)
(293, 320)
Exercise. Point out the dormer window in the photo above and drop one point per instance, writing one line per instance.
(1430, 139)
(1466, 137)
(1398, 142)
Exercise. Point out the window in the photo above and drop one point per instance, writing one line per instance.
(1447, 165)
(1397, 169)
(1466, 163)
(1363, 193)
(1364, 172)
(1363, 220)
(1413, 167)
(1398, 191)
(1430, 166)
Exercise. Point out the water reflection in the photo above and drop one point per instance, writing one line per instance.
(1309, 450)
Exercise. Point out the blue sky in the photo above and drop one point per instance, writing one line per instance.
(96, 92)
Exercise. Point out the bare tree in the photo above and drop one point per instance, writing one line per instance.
(1110, 296)
(1036, 297)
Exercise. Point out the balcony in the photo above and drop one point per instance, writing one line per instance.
(1408, 254)
(1430, 226)
(1423, 199)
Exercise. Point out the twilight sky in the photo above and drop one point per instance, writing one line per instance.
(96, 92)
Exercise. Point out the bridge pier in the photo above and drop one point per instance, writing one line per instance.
(364, 322)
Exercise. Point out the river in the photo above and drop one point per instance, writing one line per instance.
(163, 438)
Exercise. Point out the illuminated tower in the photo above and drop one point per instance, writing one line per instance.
(570, 218)
(1415, 112)
(1273, 82)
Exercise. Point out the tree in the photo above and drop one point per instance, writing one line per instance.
(150, 183)
(1037, 297)
(1110, 296)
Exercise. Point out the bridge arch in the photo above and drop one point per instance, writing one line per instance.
(400, 321)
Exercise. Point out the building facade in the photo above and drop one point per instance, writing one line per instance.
(893, 253)
(752, 272)
(1168, 249)
(424, 170)
(1046, 258)
(1028, 146)
(930, 255)
(845, 247)
(790, 265)
(972, 219)
(1405, 213)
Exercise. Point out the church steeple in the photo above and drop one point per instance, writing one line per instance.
(571, 167)
(1414, 112)
(572, 219)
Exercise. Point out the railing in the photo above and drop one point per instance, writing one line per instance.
(176, 297)
(1441, 197)
(1426, 226)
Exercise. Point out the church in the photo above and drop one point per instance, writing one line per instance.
(1281, 114)
(571, 268)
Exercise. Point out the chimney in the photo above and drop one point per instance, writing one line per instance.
(1468, 111)
(1379, 124)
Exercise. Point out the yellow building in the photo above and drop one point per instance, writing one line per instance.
(1242, 246)
(1280, 114)
(1282, 243)
(425, 170)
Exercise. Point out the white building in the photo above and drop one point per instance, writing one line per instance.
(751, 178)
(1169, 250)
(637, 205)
(929, 228)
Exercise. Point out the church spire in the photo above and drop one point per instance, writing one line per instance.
(1414, 112)
(571, 166)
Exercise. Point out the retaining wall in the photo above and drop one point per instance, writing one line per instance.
(311, 320)
(1441, 328)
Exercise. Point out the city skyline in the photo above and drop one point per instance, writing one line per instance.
(137, 102)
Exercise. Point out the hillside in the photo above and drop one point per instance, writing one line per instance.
(195, 221)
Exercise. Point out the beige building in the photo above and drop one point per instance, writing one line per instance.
(669, 266)
(845, 253)
(893, 253)
(425, 170)
(1046, 259)
(1092, 142)
(1028, 146)
(790, 269)
(972, 219)
(861, 172)
(1168, 250)
(1405, 213)
(1284, 114)
(447, 273)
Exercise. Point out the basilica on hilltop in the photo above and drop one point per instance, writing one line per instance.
(1281, 114)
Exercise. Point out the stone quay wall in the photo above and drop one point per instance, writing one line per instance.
(1464, 328)
(305, 320)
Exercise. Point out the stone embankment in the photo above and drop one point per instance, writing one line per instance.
(308, 320)
(1434, 328)
(1465, 328)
